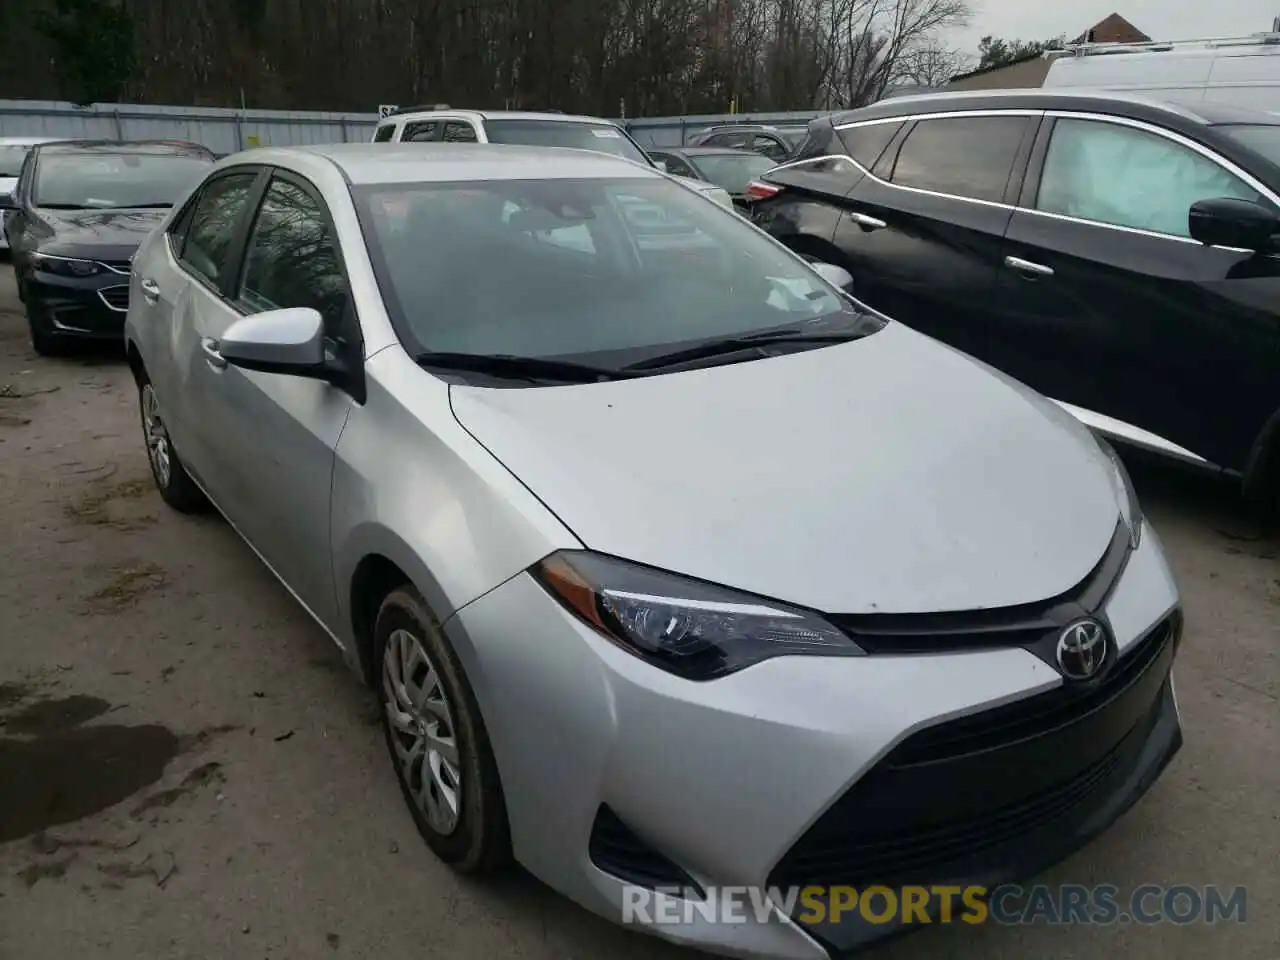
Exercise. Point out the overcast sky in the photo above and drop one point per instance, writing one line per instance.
(1159, 19)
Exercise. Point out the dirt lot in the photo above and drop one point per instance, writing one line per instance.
(187, 770)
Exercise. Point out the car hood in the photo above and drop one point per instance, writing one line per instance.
(100, 234)
(887, 475)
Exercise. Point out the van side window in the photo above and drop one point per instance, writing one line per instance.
(421, 130)
(962, 156)
(1125, 177)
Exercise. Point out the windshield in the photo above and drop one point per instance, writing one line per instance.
(101, 180)
(601, 137)
(733, 171)
(600, 271)
(1261, 138)
(11, 160)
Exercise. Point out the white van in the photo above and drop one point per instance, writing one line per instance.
(1238, 71)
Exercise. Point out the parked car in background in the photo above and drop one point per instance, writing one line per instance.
(689, 569)
(773, 142)
(732, 169)
(76, 216)
(546, 129)
(13, 151)
(1115, 253)
(1241, 71)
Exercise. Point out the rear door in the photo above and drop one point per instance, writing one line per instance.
(1106, 303)
(923, 232)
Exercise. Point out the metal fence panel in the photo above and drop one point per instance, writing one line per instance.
(227, 131)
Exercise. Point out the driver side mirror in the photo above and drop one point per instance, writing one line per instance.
(289, 341)
(838, 277)
(1228, 222)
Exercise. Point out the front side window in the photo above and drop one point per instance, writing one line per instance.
(962, 156)
(459, 131)
(94, 179)
(600, 137)
(11, 160)
(607, 269)
(292, 258)
(1126, 177)
(213, 224)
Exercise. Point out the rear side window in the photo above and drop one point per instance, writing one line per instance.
(422, 130)
(459, 131)
(214, 222)
(962, 156)
(865, 143)
(384, 133)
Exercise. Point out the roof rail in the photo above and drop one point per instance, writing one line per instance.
(421, 108)
(1087, 49)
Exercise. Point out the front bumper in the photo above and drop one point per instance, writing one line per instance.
(729, 782)
(82, 307)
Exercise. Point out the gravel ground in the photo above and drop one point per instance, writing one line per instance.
(188, 771)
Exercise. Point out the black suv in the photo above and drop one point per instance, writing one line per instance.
(1117, 254)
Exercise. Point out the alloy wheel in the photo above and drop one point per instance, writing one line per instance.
(157, 436)
(422, 729)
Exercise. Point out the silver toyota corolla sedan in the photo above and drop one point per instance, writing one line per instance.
(671, 564)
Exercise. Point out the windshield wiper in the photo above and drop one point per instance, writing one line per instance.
(730, 345)
(159, 204)
(527, 368)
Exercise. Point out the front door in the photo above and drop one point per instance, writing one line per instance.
(1106, 303)
(275, 434)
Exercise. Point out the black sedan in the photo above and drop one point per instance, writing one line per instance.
(732, 169)
(78, 213)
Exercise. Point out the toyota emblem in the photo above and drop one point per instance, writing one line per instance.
(1082, 649)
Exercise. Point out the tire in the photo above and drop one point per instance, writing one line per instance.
(176, 487)
(1262, 476)
(471, 834)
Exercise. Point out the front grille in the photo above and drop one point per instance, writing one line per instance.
(1021, 625)
(951, 792)
(118, 266)
(117, 298)
(616, 850)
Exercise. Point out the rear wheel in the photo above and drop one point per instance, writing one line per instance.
(172, 480)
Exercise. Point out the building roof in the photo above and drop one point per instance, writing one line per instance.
(1112, 28)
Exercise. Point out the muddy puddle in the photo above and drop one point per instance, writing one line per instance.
(60, 763)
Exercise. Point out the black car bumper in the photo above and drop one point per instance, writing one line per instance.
(1070, 773)
(78, 307)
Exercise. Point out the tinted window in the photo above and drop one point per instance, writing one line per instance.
(421, 130)
(384, 133)
(458, 131)
(213, 224)
(769, 147)
(601, 137)
(735, 140)
(588, 267)
(104, 179)
(1129, 178)
(1259, 137)
(292, 258)
(733, 171)
(963, 156)
(11, 160)
(867, 142)
(674, 164)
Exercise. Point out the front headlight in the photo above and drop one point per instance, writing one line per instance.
(65, 266)
(1131, 510)
(693, 629)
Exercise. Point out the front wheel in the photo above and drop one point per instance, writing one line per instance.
(437, 738)
(44, 340)
(176, 487)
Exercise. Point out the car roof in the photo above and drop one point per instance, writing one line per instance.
(366, 163)
(1101, 101)
(26, 141)
(494, 115)
(693, 150)
(156, 147)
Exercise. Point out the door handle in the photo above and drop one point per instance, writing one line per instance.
(867, 223)
(1027, 268)
(211, 355)
(150, 290)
